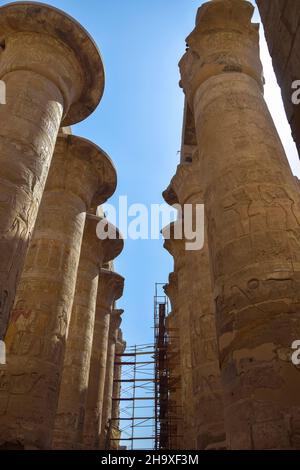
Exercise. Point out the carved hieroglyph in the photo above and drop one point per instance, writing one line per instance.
(52, 71)
(110, 289)
(253, 211)
(69, 422)
(80, 172)
(114, 325)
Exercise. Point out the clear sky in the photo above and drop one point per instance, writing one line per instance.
(139, 122)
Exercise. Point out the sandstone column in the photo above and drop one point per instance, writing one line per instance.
(281, 20)
(52, 72)
(80, 172)
(206, 377)
(110, 289)
(114, 324)
(176, 248)
(253, 212)
(174, 363)
(69, 420)
(115, 413)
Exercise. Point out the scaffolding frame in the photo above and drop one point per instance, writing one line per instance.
(137, 386)
(161, 310)
(145, 387)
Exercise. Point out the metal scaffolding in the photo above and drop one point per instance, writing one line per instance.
(161, 369)
(137, 397)
(146, 412)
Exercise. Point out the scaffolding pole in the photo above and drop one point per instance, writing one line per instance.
(146, 385)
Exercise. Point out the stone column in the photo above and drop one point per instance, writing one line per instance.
(115, 413)
(174, 364)
(69, 422)
(253, 212)
(207, 388)
(114, 324)
(281, 20)
(52, 72)
(110, 289)
(36, 337)
(176, 248)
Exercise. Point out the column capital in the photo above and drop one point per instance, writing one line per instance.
(115, 322)
(45, 40)
(224, 40)
(96, 250)
(173, 244)
(186, 183)
(170, 196)
(121, 344)
(111, 286)
(112, 245)
(83, 168)
(171, 289)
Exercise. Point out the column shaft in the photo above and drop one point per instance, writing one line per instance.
(253, 212)
(73, 389)
(115, 321)
(43, 77)
(109, 290)
(115, 413)
(176, 249)
(37, 332)
(174, 363)
(206, 377)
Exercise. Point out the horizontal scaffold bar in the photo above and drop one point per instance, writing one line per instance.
(133, 363)
(132, 418)
(135, 354)
(135, 380)
(133, 398)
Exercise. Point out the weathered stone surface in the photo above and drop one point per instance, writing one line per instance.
(80, 172)
(281, 20)
(114, 325)
(110, 289)
(175, 411)
(206, 377)
(59, 48)
(52, 71)
(176, 249)
(115, 413)
(69, 422)
(253, 212)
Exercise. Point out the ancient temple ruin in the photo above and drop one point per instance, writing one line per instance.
(58, 286)
(235, 303)
(229, 379)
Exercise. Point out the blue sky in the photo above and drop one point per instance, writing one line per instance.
(139, 120)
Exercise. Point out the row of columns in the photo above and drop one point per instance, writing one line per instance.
(57, 300)
(194, 320)
(243, 286)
